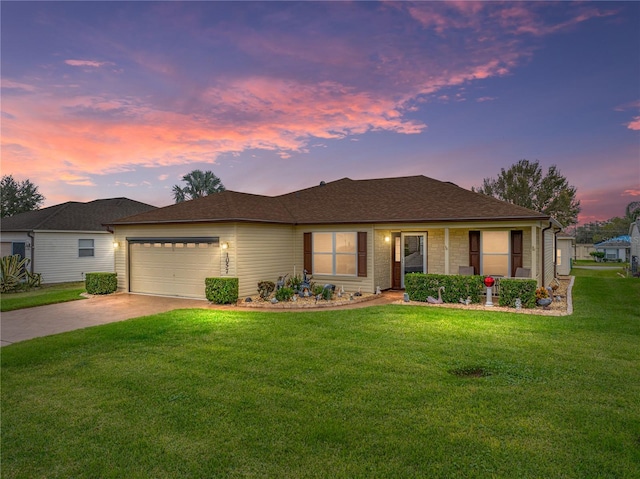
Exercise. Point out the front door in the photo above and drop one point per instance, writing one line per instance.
(414, 257)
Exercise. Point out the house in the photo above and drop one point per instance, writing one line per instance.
(615, 249)
(634, 239)
(564, 253)
(66, 241)
(360, 234)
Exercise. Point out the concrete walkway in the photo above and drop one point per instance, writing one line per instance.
(29, 323)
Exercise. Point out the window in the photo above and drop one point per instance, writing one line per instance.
(559, 257)
(495, 253)
(85, 248)
(334, 254)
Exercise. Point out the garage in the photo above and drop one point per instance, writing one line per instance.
(172, 266)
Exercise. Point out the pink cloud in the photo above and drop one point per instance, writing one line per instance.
(634, 124)
(86, 63)
(631, 192)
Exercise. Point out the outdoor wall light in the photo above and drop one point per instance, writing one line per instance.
(387, 239)
(116, 244)
(225, 245)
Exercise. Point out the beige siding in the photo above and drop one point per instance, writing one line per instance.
(263, 253)
(435, 251)
(549, 256)
(58, 260)
(382, 259)
(350, 283)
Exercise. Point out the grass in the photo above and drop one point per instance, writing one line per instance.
(46, 294)
(393, 391)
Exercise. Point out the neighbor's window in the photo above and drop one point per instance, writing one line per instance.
(85, 248)
(559, 257)
(334, 253)
(495, 253)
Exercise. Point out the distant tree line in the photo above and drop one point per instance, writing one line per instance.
(598, 231)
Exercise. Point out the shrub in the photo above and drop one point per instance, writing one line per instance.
(512, 289)
(419, 286)
(101, 283)
(12, 273)
(284, 294)
(221, 290)
(265, 288)
(294, 283)
(317, 289)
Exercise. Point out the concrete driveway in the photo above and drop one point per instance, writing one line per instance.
(31, 323)
(57, 318)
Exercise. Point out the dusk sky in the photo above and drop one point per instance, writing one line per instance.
(109, 99)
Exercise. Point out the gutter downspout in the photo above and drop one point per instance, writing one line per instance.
(33, 249)
(555, 254)
(543, 251)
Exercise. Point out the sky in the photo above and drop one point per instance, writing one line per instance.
(121, 99)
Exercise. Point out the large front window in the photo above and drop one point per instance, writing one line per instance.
(334, 253)
(495, 253)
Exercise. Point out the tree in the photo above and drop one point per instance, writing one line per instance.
(18, 197)
(632, 211)
(199, 183)
(524, 184)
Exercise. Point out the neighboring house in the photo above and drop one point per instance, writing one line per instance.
(564, 253)
(68, 240)
(634, 237)
(359, 234)
(615, 249)
(583, 251)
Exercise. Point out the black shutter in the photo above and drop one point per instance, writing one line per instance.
(516, 251)
(474, 251)
(362, 254)
(307, 261)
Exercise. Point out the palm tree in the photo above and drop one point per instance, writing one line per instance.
(632, 212)
(199, 183)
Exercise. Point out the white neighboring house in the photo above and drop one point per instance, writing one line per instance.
(564, 253)
(615, 249)
(634, 235)
(66, 241)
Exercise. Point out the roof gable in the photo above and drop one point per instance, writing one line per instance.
(75, 216)
(403, 199)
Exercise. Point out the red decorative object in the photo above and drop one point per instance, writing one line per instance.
(489, 281)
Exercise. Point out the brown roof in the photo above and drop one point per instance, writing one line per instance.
(405, 199)
(75, 216)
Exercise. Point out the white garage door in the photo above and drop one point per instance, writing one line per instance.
(173, 267)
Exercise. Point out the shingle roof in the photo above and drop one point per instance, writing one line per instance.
(618, 241)
(75, 216)
(404, 199)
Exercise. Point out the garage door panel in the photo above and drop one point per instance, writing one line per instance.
(173, 269)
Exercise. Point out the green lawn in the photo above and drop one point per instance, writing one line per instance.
(46, 294)
(372, 392)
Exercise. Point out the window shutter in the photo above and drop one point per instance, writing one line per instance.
(516, 251)
(474, 251)
(307, 262)
(362, 253)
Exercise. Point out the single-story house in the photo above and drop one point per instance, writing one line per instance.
(634, 237)
(66, 241)
(356, 234)
(564, 253)
(615, 249)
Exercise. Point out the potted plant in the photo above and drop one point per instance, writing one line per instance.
(542, 297)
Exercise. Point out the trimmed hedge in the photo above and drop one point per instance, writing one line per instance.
(512, 289)
(419, 286)
(221, 290)
(101, 283)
